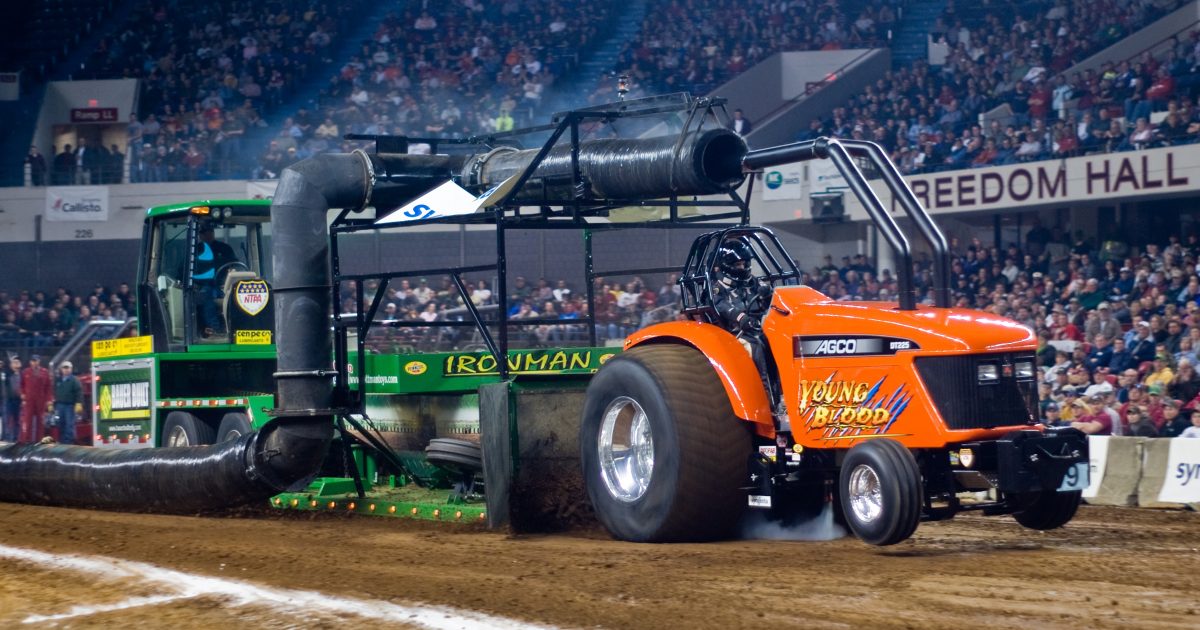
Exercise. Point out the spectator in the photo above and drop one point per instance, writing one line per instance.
(740, 124)
(68, 397)
(37, 166)
(37, 394)
(1192, 431)
(10, 380)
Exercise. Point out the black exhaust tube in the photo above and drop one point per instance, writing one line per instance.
(702, 163)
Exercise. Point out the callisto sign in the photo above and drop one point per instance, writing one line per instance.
(77, 203)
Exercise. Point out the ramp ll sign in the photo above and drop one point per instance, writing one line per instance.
(77, 203)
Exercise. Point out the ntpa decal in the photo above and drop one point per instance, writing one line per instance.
(252, 296)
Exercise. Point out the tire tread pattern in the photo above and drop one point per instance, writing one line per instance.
(714, 444)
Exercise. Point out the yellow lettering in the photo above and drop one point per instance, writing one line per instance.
(580, 360)
(806, 388)
(860, 392)
(881, 417)
(466, 364)
(845, 391)
(820, 417)
(558, 361)
(486, 364)
(514, 362)
(538, 362)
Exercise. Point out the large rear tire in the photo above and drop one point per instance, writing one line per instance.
(1048, 510)
(184, 429)
(881, 495)
(234, 425)
(664, 458)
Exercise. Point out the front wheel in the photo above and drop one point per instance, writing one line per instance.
(664, 458)
(1047, 510)
(880, 487)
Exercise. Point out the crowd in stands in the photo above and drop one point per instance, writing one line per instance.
(1009, 60)
(444, 70)
(696, 45)
(209, 70)
(36, 320)
(621, 308)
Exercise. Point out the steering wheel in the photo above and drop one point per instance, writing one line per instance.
(227, 267)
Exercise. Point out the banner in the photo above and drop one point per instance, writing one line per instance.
(785, 182)
(1182, 483)
(76, 203)
(824, 177)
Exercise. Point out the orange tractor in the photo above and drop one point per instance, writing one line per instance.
(891, 409)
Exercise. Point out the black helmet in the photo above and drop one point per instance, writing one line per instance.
(732, 251)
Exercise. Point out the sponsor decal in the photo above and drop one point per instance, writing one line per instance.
(760, 501)
(125, 400)
(774, 179)
(1182, 481)
(127, 346)
(415, 368)
(542, 361)
(252, 337)
(850, 409)
(76, 203)
(768, 452)
(826, 346)
(252, 296)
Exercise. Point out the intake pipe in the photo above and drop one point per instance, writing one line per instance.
(289, 450)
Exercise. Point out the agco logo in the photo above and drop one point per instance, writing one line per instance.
(837, 346)
(774, 179)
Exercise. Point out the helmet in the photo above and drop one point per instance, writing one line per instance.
(731, 252)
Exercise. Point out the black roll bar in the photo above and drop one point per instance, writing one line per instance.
(832, 149)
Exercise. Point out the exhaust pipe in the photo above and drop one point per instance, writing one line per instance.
(290, 449)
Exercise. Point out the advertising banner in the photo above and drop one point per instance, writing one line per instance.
(1182, 483)
(76, 203)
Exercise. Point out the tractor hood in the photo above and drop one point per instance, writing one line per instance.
(935, 330)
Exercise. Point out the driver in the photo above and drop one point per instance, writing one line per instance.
(210, 256)
(741, 300)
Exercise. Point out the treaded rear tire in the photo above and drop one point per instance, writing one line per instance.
(1048, 510)
(460, 456)
(900, 488)
(191, 430)
(700, 448)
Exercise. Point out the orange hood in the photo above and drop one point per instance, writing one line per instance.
(935, 330)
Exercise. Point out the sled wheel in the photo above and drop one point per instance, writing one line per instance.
(459, 456)
(183, 429)
(664, 458)
(1047, 510)
(880, 491)
(233, 426)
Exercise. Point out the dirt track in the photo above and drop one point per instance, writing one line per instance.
(1109, 568)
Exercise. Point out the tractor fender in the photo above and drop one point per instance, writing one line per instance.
(728, 357)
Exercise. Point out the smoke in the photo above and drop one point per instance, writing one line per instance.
(756, 526)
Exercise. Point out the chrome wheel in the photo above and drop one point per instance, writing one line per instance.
(626, 449)
(864, 494)
(178, 437)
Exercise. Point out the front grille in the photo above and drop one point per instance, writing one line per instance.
(965, 404)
